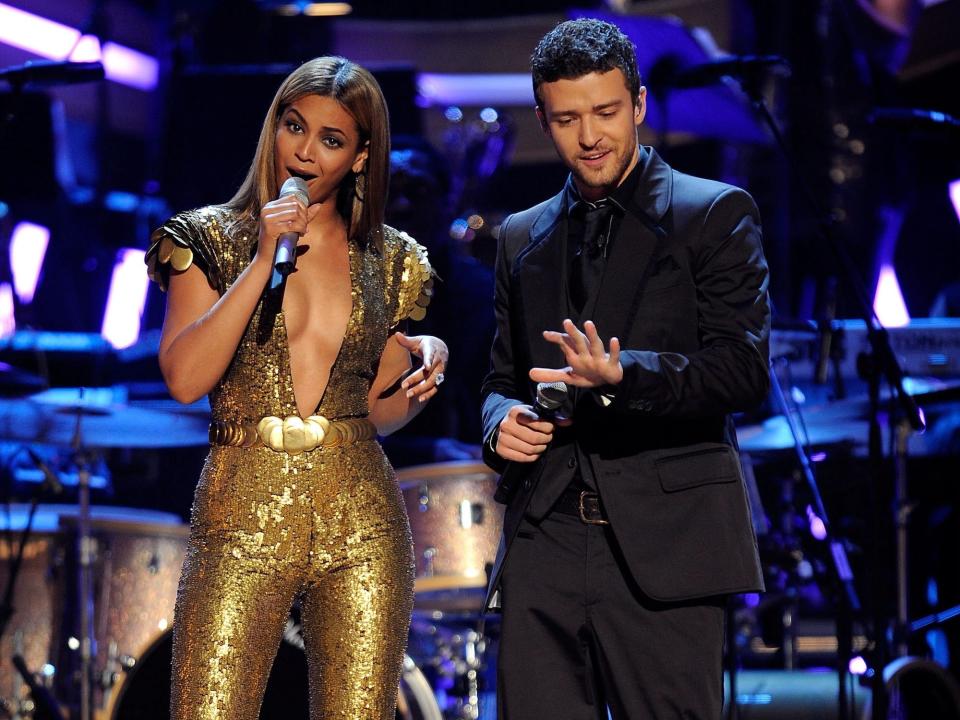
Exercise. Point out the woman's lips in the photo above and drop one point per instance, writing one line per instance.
(304, 175)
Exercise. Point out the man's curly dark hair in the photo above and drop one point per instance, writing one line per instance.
(579, 47)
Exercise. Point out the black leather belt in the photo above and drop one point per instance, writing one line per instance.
(583, 503)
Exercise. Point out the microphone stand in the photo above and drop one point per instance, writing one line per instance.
(85, 558)
(849, 601)
(42, 697)
(882, 363)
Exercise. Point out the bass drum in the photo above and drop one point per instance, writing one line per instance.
(918, 689)
(145, 692)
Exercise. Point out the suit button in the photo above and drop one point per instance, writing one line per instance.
(572, 462)
(526, 484)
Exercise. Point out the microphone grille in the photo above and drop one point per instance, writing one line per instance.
(297, 187)
(551, 395)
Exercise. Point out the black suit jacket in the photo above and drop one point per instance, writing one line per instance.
(685, 291)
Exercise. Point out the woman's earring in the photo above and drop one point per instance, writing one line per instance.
(359, 186)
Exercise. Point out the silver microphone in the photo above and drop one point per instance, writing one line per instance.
(285, 256)
(550, 398)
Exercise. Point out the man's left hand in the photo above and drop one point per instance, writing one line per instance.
(590, 364)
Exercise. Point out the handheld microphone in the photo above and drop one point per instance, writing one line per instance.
(285, 256)
(549, 399)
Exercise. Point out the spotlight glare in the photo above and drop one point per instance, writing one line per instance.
(126, 299)
(857, 665)
(954, 190)
(8, 321)
(28, 246)
(888, 301)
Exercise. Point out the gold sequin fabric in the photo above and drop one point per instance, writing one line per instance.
(325, 527)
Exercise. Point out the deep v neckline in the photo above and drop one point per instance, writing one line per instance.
(352, 259)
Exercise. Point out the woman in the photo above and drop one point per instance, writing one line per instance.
(296, 499)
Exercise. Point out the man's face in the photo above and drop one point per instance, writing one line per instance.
(593, 125)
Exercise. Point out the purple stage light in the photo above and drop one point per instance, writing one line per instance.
(54, 41)
(435, 89)
(28, 246)
(954, 190)
(817, 527)
(888, 302)
(125, 302)
(8, 322)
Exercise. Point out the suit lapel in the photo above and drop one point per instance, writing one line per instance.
(540, 272)
(639, 236)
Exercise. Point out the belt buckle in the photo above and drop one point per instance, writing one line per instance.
(584, 494)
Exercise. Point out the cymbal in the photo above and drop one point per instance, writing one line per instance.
(845, 422)
(774, 434)
(59, 419)
(15, 382)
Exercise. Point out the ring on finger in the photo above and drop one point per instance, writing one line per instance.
(439, 378)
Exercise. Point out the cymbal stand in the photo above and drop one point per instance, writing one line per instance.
(843, 574)
(902, 510)
(85, 556)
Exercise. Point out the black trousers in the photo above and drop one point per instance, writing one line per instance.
(578, 635)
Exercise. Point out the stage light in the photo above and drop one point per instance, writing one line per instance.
(888, 302)
(126, 299)
(474, 89)
(817, 527)
(857, 666)
(53, 40)
(8, 322)
(954, 190)
(28, 246)
(314, 9)
(488, 115)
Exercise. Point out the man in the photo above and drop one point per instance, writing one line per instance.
(627, 525)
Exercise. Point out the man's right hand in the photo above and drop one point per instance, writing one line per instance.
(523, 436)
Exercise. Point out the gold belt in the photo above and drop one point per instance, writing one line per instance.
(292, 435)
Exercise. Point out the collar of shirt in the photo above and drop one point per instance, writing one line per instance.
(619, 198)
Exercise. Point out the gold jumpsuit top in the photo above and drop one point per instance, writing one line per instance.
(327, 527)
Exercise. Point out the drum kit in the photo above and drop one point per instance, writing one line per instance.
(86, 589)
(89, 590)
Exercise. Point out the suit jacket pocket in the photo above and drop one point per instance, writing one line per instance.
(696, 466)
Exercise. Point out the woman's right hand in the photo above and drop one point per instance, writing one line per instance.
(281, 216)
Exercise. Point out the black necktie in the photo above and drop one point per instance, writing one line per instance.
(587, 269)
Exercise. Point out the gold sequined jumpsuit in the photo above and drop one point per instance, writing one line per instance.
(326, 526)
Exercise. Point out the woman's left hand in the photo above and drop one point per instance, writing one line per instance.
(423, 383)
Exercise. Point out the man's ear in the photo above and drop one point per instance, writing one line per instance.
(640, 107)
(542, 118)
